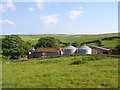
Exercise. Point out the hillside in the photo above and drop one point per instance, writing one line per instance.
(62, 72)
(74, 38)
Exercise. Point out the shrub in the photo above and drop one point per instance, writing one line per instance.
(76, 62)
(4, 57)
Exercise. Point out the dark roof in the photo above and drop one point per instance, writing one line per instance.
(48, 49)
(96, 47)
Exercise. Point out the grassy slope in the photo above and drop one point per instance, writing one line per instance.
(72, 38)
(66, 37)
(58, 73)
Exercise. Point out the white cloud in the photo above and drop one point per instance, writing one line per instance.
(40, 4)
(31, 9)
(74, 14)
(6, 22)
(50, 19)
(9, 5)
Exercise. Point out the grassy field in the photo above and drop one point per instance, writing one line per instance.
(62, 72)
(73, 38)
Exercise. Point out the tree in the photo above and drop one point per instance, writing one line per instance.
(99, 42)
(116, 50)
(48, 42)
(13, 46)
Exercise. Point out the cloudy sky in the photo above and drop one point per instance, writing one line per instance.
(58, 17)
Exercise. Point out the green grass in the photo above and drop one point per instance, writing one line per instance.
(73, 38)
(108, 43)
(67, 37)
(97, 72)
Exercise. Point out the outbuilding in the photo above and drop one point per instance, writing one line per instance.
(100, 50)
(48, 52)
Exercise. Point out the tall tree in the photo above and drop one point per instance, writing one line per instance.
(13, 46)
(98, 42)
(48, 42)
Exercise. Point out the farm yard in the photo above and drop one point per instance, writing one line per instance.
(61, 44)
(72, 71)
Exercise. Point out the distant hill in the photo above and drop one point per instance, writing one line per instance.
(75, 38)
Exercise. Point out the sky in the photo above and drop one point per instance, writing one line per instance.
(58, 17)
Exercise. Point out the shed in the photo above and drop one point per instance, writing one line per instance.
(48, 52)
(84, 50)
(70, 50)
(100, 50)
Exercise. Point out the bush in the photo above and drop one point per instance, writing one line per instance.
(81, 61)
(49, 62)
(116, 50)
(87, 58)
(4, 57)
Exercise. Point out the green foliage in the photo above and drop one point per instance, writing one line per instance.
(4, 57)
(84, 59)
(48, 42)
(116, 50)
(98, 42)
(76, 62)
(49, 61)
(13, 46)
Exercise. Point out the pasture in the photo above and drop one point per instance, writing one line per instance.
(90, 71)
(74, 38)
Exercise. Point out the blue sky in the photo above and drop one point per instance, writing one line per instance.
(58, 17)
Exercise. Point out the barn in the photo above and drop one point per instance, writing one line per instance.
(100, 50)
(84, 50)
(48, 52)
(70, 50)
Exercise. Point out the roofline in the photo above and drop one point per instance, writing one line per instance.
(99, 47)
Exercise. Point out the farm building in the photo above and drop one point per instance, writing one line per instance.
(70, 50)
(84, 50)
(48, 52)
(100, 50)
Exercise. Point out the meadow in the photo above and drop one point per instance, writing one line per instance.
(73, 38)
(75, 71)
